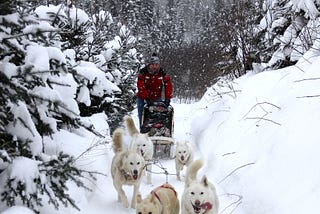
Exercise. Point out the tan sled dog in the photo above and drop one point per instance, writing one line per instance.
(126, 168)
(199, 197)
(141, 143)
(161, 200)
(183, 157)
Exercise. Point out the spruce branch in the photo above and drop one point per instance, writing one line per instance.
(39, 31)
(25, 125)
(90, 128)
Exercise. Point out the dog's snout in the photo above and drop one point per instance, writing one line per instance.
(197, 203)
(135, 172)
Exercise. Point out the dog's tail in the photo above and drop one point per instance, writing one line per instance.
(117, 138)
(130, 125)
(192, 171)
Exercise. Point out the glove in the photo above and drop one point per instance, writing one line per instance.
(167, 102)
(148, 102)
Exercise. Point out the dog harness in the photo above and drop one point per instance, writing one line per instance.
(126, 175)
(154, 192)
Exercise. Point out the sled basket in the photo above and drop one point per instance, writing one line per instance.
(157, 121)
(162, 147)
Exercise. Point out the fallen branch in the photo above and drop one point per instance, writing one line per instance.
(261, 118)
(308, 79)
(260, 105)
(266, 112)
(229, 153)
(89, 149)
(237, 203)
(233, 171)
(309, 96)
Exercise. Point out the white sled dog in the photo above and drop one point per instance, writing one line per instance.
(126, 169)
(199, 196)
(141, 143)
(183, 157)
(161, 200)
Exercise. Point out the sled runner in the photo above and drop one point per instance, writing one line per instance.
(157, 121)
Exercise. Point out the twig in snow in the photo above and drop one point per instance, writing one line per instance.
(261, 118)
(309, 96)
(308, 79)
(266, 112)
(261, 106)
(229, 153)
(90, 148)
(235, 171)
(237, 203)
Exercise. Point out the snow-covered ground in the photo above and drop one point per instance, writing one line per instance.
(258, 136)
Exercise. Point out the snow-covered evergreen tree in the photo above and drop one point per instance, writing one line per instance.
(37, 100)
(290, 28)
(109, 47)
(122, 66)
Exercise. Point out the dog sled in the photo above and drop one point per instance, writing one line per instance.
(158, 122)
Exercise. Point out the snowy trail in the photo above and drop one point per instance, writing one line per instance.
(104, 199)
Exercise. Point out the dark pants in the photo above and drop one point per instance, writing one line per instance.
(140, 105)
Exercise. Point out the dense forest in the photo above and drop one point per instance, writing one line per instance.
(198, 41)
(93, 50)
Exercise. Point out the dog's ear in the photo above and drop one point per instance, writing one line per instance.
(205, 181)
(139, 198)
(127, 152)
(188, 144)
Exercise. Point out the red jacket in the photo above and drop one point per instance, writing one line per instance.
(150, 85)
